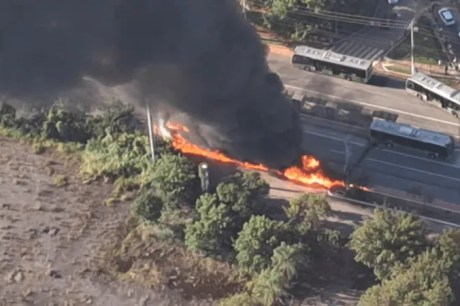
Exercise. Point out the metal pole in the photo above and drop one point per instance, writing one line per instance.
(412, 66)
(347, 154)
(243, 4)
(152, 146)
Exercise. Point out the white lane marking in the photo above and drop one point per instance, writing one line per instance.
(359, 144)
(404, 167)
(304, 118)
(374, 106)
(385, 150)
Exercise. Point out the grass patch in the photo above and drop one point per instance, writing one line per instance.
(427, 49)
(448, 81)
(399, 69)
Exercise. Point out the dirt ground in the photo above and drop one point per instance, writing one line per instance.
(53, 229)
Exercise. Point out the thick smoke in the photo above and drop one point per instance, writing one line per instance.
(197, 57)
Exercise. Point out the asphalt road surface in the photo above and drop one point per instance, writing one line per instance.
(394, 171)
(381, 93)
(375, 41)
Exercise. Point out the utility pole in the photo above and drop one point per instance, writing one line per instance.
(243, 5)
(149, 122)
(348, 154)
(412, 66)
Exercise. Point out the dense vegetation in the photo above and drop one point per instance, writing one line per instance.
(298, 20)
(276, 253)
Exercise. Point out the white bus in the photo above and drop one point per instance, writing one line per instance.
(331, 63)
(435, 92)
(389, 133)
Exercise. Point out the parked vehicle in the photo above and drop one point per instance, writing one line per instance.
(446, 16)
(435, 92)
(331, 63)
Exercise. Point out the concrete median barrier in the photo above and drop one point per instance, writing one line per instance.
(448, 216)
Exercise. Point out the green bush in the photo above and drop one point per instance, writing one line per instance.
(60, 123)
(113, 157)
(147, 206)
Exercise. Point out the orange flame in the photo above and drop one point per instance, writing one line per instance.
(309, 174)
(186, 147)
(177, 127)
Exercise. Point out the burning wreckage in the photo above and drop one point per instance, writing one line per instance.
(308, 173)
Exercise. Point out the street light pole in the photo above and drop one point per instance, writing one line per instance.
(412, 66)
(149, 122)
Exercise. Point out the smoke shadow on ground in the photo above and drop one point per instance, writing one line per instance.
(386, 81)
(345, 215)
(343, 228)
(275, 207)
(340, 283)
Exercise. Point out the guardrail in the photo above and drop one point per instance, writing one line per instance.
(426, 211)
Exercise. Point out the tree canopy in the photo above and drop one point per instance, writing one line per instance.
(448, 244)
(424, 283)
(307, 211)
(174, 179)
(256, 242)
(222, 214)
(390, 238)
(148, 206)
(210, 234)
(274, 282)
(243, 192)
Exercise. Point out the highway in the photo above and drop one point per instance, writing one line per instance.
(380, 94)
(394, 171)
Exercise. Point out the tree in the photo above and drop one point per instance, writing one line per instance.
(125, 155)
(148, 206)
(307, 211)
(240, 299)
(256, 242)
(243, 192)
(118, 118)
(424, 283)
(288, 259)
(209, 234)
(280, 8)
(267, 287)
(66, 126)
(448, 244)
(174, 179)
(273, 283)
(390, 238)
(222, 215)
(7, 115)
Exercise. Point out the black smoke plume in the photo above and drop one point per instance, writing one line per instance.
(198, 57)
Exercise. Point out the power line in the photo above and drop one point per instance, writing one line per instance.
(343, 15)
(303, 9)
(387, 23)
